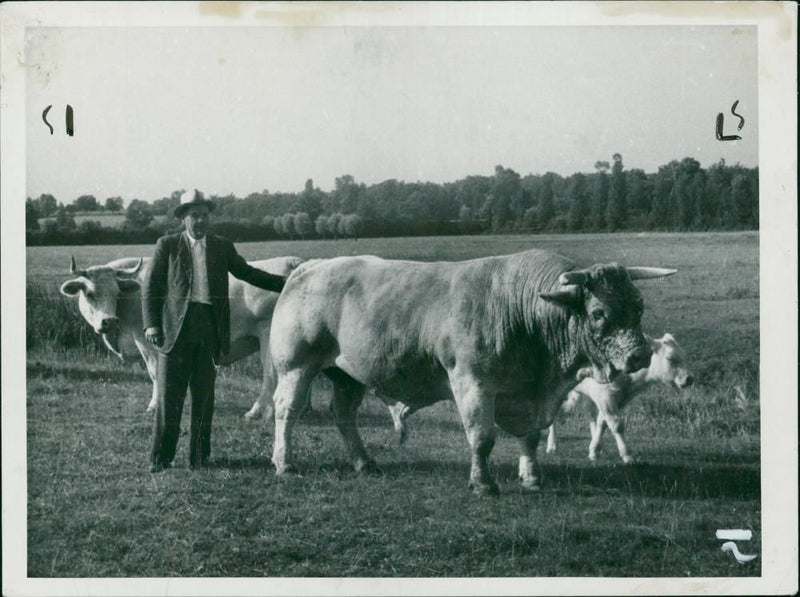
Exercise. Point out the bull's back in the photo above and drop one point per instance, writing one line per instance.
(382, 322)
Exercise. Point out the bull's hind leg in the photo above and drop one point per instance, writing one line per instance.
(477, 414)
(290, 395)
(347, 397)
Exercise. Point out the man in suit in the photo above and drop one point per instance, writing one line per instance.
(186, 314)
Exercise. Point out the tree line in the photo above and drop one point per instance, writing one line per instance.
(680, 196)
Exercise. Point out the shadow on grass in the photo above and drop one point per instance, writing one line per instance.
(678, 481)
(672, 481)
(47, 371)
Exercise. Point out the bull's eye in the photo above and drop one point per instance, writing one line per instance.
(598, 315)
(90, 295)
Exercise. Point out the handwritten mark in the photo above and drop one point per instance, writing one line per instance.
(71, 123)
(739, 116)
(44, 117)
(721, 122)
(740, 557)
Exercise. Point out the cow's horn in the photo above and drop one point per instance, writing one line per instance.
(73, 269)
(644, 273)
(131, 271)
(573, 277)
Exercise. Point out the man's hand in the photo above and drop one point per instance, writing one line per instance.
(154, 336)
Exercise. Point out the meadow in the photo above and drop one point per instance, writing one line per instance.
(95, 510)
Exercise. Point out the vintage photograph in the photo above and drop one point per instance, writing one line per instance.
(368, 298)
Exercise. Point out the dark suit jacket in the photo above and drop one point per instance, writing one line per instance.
(167, 286)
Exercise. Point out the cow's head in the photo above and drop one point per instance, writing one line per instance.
(99, 289)
(607, 310)
(669, 363)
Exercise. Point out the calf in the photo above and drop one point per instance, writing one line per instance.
(606, 400)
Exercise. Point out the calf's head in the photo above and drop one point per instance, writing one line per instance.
(98, 290)
(669, 363)
(607, 311)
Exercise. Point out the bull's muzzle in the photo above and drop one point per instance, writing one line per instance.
(638, 359)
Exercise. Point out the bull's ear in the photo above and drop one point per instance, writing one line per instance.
(567, 296)
(72, 287)
(128, 286)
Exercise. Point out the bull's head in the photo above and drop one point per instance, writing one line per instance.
(608, 311)
(99, 289)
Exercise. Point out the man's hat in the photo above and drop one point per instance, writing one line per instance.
(189, 198)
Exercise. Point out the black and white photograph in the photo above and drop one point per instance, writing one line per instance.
(377, 298)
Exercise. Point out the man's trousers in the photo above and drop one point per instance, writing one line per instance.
(190, 364)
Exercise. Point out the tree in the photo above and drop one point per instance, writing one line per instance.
(617, 212)
(578, 197)
(47, 205)
(139, 214)
(64, 220)
(506, 189)
(287, 220)
(333, 224)
(114, 204)
(310, 200)
(32, 215)
(321, 226)
(546, 205)
(86, 203)
(600, 195)
(742, 201)
(352, 225)
(277, 224)
(302, 223)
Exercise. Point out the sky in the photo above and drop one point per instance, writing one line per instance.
(242, 110)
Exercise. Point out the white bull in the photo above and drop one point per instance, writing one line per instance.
(606, 401)
(502, 336)
(109, 299)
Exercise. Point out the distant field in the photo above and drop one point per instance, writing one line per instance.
(94, 510)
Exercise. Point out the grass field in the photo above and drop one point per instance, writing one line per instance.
(94, 510)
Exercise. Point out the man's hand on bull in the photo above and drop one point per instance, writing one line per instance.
(154, 336)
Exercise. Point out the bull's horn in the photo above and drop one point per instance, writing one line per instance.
(573, 277)
(73, 269)
(644, 273)
(131, 271)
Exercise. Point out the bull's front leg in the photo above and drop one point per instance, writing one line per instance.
(476, 408)
(530, 474)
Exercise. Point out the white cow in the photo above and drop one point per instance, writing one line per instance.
(606, 400)
(109, 299)
(502, 336)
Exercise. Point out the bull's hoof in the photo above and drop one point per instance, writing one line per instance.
(484, 489)
(151, 408)
(251, 414)
(551, 449)
(369, 468)
(628, 459)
